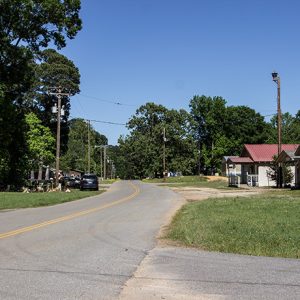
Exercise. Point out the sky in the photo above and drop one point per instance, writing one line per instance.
(130, 52)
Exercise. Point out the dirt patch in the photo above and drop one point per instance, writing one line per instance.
(216, 178)
(198, 194)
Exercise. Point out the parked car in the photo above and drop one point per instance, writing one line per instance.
(77, 180)
(89, 182)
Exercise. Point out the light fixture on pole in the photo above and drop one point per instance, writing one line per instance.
(276, 79)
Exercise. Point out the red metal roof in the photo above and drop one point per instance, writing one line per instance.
(265, 152)
(240, 160)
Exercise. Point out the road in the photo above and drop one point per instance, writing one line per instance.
(105, 247)
(86, 249)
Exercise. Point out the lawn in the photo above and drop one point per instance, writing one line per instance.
(190, 181)
(263, 225)
(10, 200)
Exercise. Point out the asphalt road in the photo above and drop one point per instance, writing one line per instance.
(104, 247)
(86, 249)
(179, 273)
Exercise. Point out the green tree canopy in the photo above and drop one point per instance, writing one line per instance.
(26, 27)
(290, 129)
(40, 141)
(76, 157)
(142, 149)
(243, 125)
(53, 70)
(208, 126)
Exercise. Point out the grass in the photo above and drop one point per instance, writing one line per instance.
(264, 225)
(11, 200)
(190, 181)
(108, 181)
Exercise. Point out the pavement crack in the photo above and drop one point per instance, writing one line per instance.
(66, 272)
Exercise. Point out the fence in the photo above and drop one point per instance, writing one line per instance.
(252, 180)
(234, 180)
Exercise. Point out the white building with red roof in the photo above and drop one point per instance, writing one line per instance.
(254, 164)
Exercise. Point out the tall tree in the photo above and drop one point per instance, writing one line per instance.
(76, 157)
(290, 129)
(143, 147)
(243, 125)
(26, 27)
(53, 70)
(208, 126)
(40, 141)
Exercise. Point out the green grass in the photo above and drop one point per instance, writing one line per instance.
(190, 181)
(11, 200)
(264, 225)
(108, 181)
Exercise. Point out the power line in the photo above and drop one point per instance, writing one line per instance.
(107, 122)
(106, 101)
(99, 121)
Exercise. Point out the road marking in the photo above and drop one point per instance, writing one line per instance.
(72, 216)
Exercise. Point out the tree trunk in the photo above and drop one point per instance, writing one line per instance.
(40, 174)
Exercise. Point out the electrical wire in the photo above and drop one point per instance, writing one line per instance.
(99, 121)
(106, 101)
(107, 122)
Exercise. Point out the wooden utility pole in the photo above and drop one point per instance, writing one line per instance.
(89, 147)
(164, 154)
(59, 95)
(276, 79)
(104, 162)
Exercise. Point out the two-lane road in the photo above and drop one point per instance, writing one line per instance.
(86, 249)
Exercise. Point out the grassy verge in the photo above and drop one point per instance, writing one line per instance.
(22, 200)
(190, 181)
(108, 181)
(264, 225)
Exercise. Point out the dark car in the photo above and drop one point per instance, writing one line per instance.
(89, 182)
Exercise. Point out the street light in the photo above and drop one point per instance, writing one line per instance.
(276, 79)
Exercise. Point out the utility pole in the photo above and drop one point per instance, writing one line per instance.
(103, 165)
(276, 79)
(104, 162)
(89, 146)
(164, 153)
(59, 95)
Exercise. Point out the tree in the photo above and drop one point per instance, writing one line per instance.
(287, 174)
(243, 125)
(142, 149)
(76, 157)
(37, 23)
(208, 125)
(53, 70)
(223, 130)
(40, 142)
(26, 27)
(290, 129)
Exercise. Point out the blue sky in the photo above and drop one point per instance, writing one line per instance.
(167, 51)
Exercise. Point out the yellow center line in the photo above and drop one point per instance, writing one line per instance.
(69, 217)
